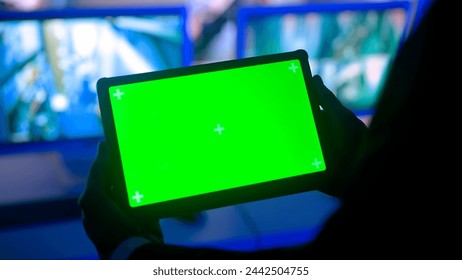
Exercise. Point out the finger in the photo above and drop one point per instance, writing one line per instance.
(326, 97)
(98, 179)
(331, 105)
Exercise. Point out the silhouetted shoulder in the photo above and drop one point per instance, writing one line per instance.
(403, 203)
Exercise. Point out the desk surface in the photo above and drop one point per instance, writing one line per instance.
(270, 223)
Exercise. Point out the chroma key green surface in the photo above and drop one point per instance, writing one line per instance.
(188, 135)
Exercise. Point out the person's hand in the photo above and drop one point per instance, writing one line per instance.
(105, 222)
(344, 136)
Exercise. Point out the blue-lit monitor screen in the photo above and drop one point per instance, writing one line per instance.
(50, 62)
(349, 45)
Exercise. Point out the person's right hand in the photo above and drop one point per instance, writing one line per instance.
(344, 136)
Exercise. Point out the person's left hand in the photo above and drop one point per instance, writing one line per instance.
(105, 222)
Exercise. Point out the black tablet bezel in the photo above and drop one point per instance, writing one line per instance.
(217, 199)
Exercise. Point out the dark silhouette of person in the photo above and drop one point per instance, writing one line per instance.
(398, 179)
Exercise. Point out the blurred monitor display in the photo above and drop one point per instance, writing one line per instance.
(349, 45)
(50, 121)
(50, 62)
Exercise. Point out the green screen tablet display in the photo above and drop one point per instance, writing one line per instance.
(188, 135)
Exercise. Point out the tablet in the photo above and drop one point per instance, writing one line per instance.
(211, 135)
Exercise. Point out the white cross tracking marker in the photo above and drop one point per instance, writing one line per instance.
(293, 67)
(316, 163)
(219, 129)
(137, 197)
(118, 94)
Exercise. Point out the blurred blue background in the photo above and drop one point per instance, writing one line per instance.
(52, 52)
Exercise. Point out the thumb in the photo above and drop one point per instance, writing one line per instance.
(326, 97)
(98, 180)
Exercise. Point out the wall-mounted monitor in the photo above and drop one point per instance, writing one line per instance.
(50, 61)
(349, 44)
